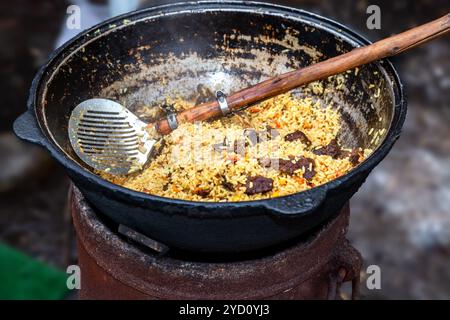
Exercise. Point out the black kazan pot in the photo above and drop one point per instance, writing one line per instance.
(145, 56)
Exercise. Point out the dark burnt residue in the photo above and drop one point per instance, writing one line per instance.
(203, 94)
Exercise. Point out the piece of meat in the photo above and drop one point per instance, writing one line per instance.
(332, 149)
(337, 153)
(258, 184)
(227, 185)
(202, 192)
(309, 166)
(288, 166)
(354, 157)
(298, 135)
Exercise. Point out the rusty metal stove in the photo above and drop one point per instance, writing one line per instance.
(115, 267)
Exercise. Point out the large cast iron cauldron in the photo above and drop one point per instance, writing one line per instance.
(145, 56)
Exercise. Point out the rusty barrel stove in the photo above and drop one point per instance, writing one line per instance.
(113, 267)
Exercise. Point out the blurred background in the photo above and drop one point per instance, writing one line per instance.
(400, 218)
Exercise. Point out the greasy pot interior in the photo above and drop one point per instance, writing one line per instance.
(142, 60)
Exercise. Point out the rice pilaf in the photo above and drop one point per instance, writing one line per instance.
(280, 146)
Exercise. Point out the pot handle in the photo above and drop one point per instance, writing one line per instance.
(302, 203)
(27, 128)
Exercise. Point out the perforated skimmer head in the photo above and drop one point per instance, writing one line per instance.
(108, 137)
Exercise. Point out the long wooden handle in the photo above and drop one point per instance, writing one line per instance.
(293, 79)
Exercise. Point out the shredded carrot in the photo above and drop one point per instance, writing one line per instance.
(233, 157)
(277, 124)
(299, 180)
(175, 189)
(254, 109)
(307, 125)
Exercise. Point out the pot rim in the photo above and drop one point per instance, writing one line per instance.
(320, 22)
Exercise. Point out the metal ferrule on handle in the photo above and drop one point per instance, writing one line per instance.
(223, 104)
(172, 120)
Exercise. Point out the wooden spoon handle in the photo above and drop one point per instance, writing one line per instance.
(293, 79)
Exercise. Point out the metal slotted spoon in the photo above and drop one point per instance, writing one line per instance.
(108, 137)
